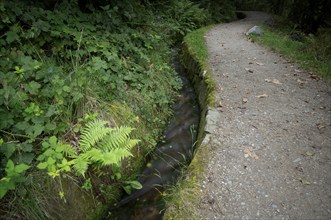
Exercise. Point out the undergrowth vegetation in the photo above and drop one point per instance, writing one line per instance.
(312, 52)
(69, 78)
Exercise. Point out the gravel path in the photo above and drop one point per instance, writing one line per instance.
(272, 143)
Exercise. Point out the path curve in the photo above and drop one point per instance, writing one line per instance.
(272, 143)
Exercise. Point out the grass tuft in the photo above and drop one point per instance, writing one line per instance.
(308, 53)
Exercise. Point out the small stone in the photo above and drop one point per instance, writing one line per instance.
(262, 96)
(245, 100)
(297, 160)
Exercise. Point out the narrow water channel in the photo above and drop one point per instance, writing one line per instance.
(168, 160)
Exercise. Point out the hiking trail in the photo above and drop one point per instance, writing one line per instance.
(271, 147)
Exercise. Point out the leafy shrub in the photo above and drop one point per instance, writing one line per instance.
(59, 64)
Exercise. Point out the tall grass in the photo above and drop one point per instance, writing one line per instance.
(311, 53)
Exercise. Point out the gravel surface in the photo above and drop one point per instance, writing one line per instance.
(272, 143)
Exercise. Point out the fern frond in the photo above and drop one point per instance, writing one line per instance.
(114, 156)
(69, 150)
(93, 133)
(91, 155)
(80, 165)
(115, 139)
(130, 143)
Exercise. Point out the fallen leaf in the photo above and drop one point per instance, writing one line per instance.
(276, 81)
(260, 64)
(305, 182)
(301, 82)
(309, 154)
(262, 96)
(320, 126)
(248, 152)
(314, 77)
(220, 104)
(249, 70)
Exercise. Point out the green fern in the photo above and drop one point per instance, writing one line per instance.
(102, 146)
(116, 138)
(93, 133)
(81, 165)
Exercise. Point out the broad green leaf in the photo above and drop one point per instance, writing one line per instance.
(127, 189)
(26, 147)
(42, 165)
(33, 87)
(38, 129)
(26, 158)
(24, 125)
(66, 88)
(12, 36)
(3, 189)
(60, 148)
(45, 144)
(21, 167)
(52, 140)
(58, 155)
(134, 184)
(10, 166)
(41, 157)
(51, 161)
(7, 149)
(51, 111)
(50, 126)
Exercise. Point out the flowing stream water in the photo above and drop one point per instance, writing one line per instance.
(168, 160)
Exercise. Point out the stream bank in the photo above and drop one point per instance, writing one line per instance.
(169, 160)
